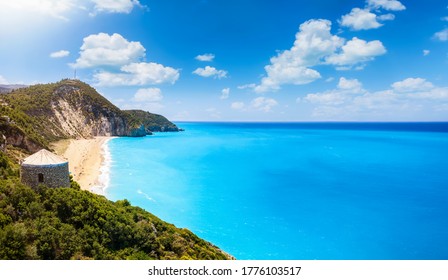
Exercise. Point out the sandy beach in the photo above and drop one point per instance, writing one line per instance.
(85, 158)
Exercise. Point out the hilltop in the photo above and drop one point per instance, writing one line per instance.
(34, 116)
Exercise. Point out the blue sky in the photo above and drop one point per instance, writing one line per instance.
(217, 60)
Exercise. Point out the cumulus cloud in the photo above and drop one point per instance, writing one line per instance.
(115, 6)
(205, 57)
(344, 91)
(401, 101)
(54, 8)
(426, 52)
(120, 62)
(390, 5)
(352, 85)
(238, 105)
(442, 35)
(138, 74)
(3, 81)
(209, 71)
(315, 45)
(247, 86)
(59, 54)
(360, 19)
(263, 104)
(108, 50)
(357, 51)
(225, 93)
(64, 9)
(386, 17)
(148, 95)
(313, 41)
(329, 98)
(365, 18)
(258, 104)
(412, 85)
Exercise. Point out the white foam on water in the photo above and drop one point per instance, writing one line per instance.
(103, 180)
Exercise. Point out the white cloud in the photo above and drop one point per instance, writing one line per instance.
(346, 89)
(263, 104)
(313, 41)
(360, 19)
(442, 35)
(115, 6)
(329, 98)
(65, 9)
(209, 71)
(445, 19)
(59, 54)
(138, 74)
(225, 93)
(148, 95)
(386, 17)
(53, 8)
(315, 45)
(390, 5)
(357, 51)
(353, 85)
(426, 52)
(3, 81)
(205, 57)
(405, 100)
(247, 86)
(412, 85)
(108, 50)
(238, 105)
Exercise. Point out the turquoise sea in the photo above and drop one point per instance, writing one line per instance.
(295, 190)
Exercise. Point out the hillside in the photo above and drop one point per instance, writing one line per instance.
(68, 223)
(151, 122)
(9, 88)
(69, 109)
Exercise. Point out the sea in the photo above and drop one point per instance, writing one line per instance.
(294, 191)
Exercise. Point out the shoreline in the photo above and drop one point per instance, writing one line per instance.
(89, 161)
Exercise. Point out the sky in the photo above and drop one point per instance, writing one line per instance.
(245, 60)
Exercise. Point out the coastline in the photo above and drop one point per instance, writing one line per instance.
(89, 161)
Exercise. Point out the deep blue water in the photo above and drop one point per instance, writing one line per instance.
(295, 190)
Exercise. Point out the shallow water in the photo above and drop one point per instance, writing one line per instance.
(295, 191)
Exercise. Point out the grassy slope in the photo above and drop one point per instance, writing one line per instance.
(68, 223)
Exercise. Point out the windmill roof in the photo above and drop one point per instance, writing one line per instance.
(44, 157)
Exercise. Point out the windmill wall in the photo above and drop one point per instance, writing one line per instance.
(52, 176)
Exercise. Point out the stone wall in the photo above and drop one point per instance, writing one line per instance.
(54, 176)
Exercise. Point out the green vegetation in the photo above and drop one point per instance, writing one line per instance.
(33, 108)
(32, 117)
(151, 122)
(68, 223)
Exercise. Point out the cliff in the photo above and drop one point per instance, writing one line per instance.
(70, 109)
(151, 122)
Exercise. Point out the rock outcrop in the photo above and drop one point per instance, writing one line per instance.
(79, 115)
(69, 109)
